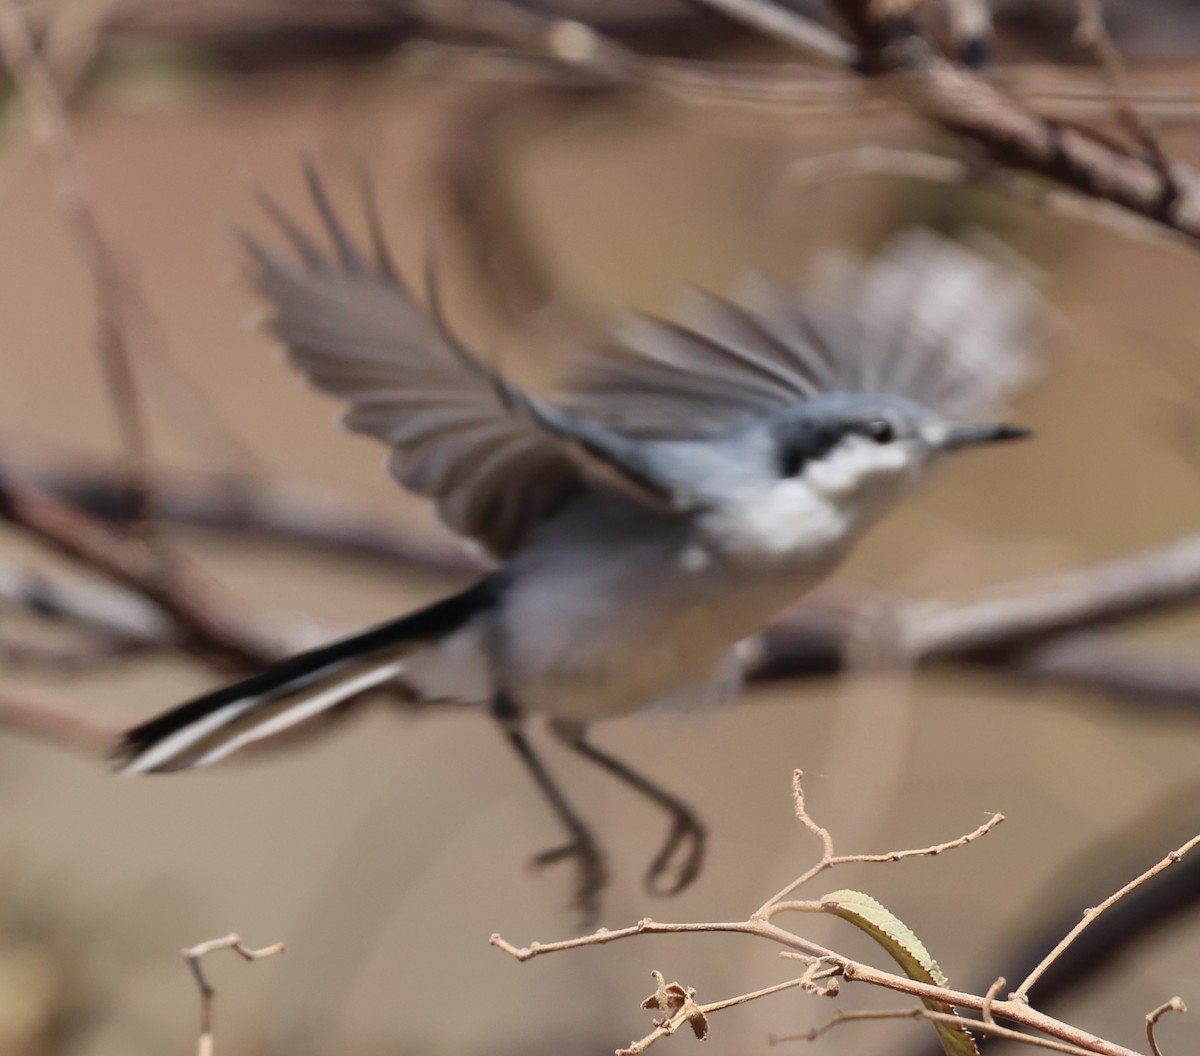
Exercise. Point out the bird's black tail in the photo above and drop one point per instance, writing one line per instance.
(208, 728)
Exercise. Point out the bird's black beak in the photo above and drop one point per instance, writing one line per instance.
(968, 435)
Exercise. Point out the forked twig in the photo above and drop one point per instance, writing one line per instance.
(1092, 34)
(824, 964)
(776, 903)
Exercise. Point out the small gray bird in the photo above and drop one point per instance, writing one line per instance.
(698, 478)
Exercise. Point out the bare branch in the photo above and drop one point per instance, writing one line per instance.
(61, 726)
(99, 609)
(917, 1014)
(841, 1016)
(206, 624)
(278, 510)
(822, 963)
(809, 37)
(873, 160)
(52, 132)
(1089, 915)
(1092, 34)
(909, 70)
(776, 904)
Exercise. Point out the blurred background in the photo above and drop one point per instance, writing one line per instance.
(386, 853)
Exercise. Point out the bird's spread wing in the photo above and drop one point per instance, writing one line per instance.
(496, 460)
(929, 318)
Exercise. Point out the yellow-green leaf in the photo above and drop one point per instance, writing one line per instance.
(909, 952)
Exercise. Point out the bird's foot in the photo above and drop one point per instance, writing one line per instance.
(679, 861)
(592, 875)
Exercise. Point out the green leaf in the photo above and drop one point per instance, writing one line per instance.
(909, 952)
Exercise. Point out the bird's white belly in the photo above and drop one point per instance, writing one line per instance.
(588, 643)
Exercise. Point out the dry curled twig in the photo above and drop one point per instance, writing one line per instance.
(1174, 1005)
(193, 956)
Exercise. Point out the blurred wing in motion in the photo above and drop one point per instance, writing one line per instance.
(497, 461)
(929, 318)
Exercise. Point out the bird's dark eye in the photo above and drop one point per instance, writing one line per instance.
(880, 430)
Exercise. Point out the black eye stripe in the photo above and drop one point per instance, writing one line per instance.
(798, 447)
(807, 447)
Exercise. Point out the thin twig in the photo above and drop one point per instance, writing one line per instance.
(1089, 915)
(873, 160)
(906, 68)
(931, 1016)
(791, 27)
(193, 955)
(1174, 1005)
(841, 1016)
(823, 963)
(1092, 34)
(776, 903)
(52, 132)
(206, 624)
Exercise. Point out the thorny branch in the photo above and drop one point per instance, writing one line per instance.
(1015, 1009)
(193, 955)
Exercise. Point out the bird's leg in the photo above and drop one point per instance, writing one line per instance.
(581, 845)
(686, 831)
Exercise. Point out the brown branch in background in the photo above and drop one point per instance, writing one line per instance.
(207, 625)
(474, 201)
(52, 132)
(906, 68)
(810, 38)
(26, 655)
(99, 610)
(1033, 629)
(873, 160)
(1092, 35)
(1008, 619)
(58, 725)
(193, 955)
(257, 507)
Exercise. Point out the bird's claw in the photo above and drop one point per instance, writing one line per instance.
(662, 878)
(592, 874)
